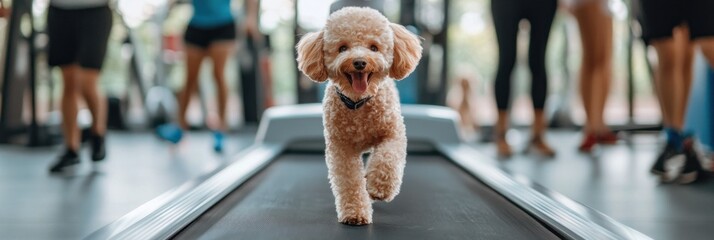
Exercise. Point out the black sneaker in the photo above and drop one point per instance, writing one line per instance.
(68, 159)
(99, 151)
(666, 154)
(692, 166)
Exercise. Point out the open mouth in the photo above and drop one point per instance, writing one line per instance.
(359, 80)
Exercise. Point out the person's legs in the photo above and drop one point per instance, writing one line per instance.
(670, 83)
(670, 91)
(501, 128)
(682, 58)
(94, 99)
(194, 58)
(196, 42)
(658, 18)
(596, 70)
(505, 18)
(70, 94)
(677, 140)
(662, 28)
(685, 53)
(62, 52)
(219, 52)
(541, 20)
(673, 79)
(97, 107)
(92, 33)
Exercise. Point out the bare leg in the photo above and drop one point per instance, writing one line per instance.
(502, 146)
(70, 95)
(194, 57)
(465, 107)
(685, 52)
(95, 101)
(586, 93)
(666, 122)
(219, 52)
(596, 72)
(538, 128)
(669, 81)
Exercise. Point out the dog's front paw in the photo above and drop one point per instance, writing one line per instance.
(355, 216)
(356, 220)
(381, 194)
(382, 187)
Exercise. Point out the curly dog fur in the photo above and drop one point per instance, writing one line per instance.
(361, 53)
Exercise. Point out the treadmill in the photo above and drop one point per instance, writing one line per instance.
(278, 189)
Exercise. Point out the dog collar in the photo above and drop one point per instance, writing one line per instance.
(349, 103)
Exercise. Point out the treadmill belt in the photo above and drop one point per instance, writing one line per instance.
(291, 199)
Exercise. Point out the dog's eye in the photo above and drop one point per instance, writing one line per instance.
(343, 48)
(373, 48)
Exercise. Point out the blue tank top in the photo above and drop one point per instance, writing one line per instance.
(211, 13)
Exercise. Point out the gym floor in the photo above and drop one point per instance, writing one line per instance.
(615, 180)
(139, 167)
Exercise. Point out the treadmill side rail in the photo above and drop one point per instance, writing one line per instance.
(566, 216)
(167, 214)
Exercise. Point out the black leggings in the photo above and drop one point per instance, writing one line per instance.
(506, 16)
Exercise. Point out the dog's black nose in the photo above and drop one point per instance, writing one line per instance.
(359, 64)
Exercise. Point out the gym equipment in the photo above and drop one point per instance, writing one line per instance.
(431, 20)
(158, 101)
(278, 189)
(19, 76)
(253, 77)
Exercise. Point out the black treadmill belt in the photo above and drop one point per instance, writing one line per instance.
(291, 199)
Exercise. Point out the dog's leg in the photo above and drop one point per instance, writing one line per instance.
(385, 169)
(346, 174)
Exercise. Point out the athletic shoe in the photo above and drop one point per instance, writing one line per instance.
(692, 166)
(170, 132)
(218, 141)
(68, 159)
(666, 154)
(99, 151)
(588, 143)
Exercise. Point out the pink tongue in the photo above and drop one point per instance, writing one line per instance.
(359, 82)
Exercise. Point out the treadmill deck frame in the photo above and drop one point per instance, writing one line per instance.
(169, 213)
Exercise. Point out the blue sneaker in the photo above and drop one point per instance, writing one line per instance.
(218, 141)
(170, 132)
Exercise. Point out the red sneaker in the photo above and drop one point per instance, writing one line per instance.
(588, 143)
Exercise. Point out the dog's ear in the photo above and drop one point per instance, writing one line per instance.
(407, 52)
(310, 56)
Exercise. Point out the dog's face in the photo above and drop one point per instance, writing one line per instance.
(358, 49)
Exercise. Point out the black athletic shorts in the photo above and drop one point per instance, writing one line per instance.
(202, 37)
(659, 17)
(78, 36)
